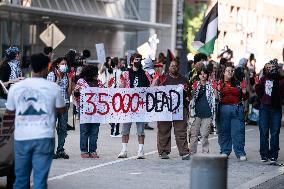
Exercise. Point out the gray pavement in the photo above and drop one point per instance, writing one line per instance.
(110, 172)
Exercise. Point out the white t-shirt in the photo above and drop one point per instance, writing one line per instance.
(35, 101)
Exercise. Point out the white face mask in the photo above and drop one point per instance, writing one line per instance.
(63, 68)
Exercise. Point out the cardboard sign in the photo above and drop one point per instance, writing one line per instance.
(101, 52)
(122, 105)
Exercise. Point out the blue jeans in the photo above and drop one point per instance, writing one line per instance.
(89, 131)
(269, 120)
(62, 130)
(33, 155)
(232, 129)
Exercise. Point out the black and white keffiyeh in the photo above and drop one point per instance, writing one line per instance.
(210, 98)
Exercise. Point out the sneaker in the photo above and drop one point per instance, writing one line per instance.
(62, 155)
(264, 159)
(273, 160)
(116, 136)
(186, 157)
(140, 155)
(70, 128)
(243, 158)
(164, 155)
(85, 155)
(55, 156)
(122, 154)
(147, 127)
(94, 155)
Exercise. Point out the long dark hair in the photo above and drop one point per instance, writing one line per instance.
(234, 82)
(88, 73)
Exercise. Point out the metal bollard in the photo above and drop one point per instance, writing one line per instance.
(208, 171)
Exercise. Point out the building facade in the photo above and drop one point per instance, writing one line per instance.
(252, 26)
(120, 24)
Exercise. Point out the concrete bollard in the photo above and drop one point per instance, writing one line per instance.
(208, 171)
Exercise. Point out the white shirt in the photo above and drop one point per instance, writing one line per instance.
(35, 101)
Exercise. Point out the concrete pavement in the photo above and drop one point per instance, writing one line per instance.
(110, 172)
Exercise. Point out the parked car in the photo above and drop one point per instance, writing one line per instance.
(6, 145)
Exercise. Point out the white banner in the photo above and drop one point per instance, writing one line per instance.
(122, 105)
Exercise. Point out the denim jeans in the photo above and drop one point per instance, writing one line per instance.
(33, 155)
(62, 130)
(89, 131)
(232, 129)
(269, 121)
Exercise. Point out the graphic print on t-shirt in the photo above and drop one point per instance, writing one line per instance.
(135, 82)
(268, 87)
(32, 106)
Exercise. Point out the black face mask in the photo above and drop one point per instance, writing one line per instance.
(273, 72)
(137, 64)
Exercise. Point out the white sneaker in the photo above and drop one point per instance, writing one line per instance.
(122, 154)
(140, 155)
(243, 158)
(116, 136)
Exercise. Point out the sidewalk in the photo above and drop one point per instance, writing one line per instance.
(110, 172)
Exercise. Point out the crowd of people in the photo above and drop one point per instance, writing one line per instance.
(220, 97)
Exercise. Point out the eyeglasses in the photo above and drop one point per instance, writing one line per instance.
(230, 71)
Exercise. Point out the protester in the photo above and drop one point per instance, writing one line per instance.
(232, 126)
(106, 71)
(149, 67)
(114, 82)
(135, 77)
(270, 90)
(61, 76)
(199, 61)
(204, 94)
(88, 131)
(180, 126)
(34, 102)
(10, 69)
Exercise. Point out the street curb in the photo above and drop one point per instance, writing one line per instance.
(262, 179)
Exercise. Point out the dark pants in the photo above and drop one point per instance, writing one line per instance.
(269, 121)
(114, 128)
(62, 130)
(180, 131)
(89, 134)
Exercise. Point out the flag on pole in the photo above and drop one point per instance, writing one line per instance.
(207, 34)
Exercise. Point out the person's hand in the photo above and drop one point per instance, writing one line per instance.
(194, 85)
(219, 85)
(214, 85)
(71, 74)
(244, 86)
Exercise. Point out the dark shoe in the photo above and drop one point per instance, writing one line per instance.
(69, 128)
(264, 159)
(55, 156)
(186, 157)
(62, 155)
(164, 155)
(148, 127)
(273, 160)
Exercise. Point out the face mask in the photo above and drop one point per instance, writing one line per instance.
(63, 68)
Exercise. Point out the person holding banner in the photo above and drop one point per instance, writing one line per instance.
(232, 124)
(114, 82)
(135, 77)
(88, 131)
(180, 126)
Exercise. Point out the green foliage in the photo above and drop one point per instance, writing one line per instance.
(193, 17)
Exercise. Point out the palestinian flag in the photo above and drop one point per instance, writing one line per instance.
(207, 34)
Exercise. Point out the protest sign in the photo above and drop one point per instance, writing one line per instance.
(122, 105)
(101, 52)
